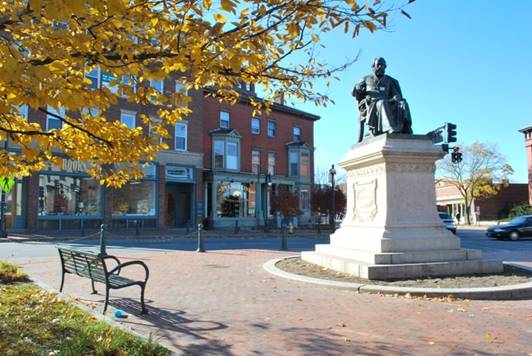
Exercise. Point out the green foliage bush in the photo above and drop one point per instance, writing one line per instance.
(518, 210)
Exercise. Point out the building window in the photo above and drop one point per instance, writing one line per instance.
(151, 128)
(304, 197)
(68, 195)
(255, 161)
(128, 118)
(23, 110)
(219, 153)
(158, 85)
(297, 134)
(232, 155)
(235, 199)
(135, 198)
(272, 128)
(271, 163)
(94, 77)
(109, 81)
(255, 126)
(52, 121)
(293, 163)
(181, 136)
(225, 119)
(305, 157)
(128, 81)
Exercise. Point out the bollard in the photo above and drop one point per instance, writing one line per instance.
(200, 240)
(137, 227)
(103, 241)
(319, 228)
(82, 233)
(237, 228)
(284, 245)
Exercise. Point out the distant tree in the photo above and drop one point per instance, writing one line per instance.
(286, 203)
(321, 200)
(481, 173)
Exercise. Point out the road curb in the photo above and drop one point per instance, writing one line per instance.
(509, 292)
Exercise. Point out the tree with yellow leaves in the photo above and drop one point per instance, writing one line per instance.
(48, 50)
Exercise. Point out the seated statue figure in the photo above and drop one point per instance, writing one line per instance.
(381, 104)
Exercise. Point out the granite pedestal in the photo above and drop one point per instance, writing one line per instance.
(392, 229)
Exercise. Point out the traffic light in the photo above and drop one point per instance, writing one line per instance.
(451, 132)
(456, 155)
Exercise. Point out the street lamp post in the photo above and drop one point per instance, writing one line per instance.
(268, 181)
(332, 219)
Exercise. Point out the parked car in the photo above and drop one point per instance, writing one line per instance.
(520, 226)
(448, 221)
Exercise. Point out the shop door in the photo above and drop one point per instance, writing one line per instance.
(171, 208)
(183, 209)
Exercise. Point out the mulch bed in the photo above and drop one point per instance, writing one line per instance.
(511, 275)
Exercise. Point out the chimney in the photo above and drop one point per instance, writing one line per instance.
(279, 98)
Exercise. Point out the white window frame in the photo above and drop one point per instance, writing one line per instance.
(257, 131)
(157, 120)
(228, 119)
(185, 125)
(301, 154)
(275, 128)
(274, 155)
(237, 144)
(125, 113)
(296, 136)
(214, 153)
(291, 154)
(60, 112)
(253, 152)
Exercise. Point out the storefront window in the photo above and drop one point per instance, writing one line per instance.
(235, 199)
(135, 198)
(68, 195)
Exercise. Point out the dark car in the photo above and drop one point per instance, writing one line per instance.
(520, 226)
(448, 221)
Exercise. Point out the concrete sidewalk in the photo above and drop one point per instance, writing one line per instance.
(223, 303)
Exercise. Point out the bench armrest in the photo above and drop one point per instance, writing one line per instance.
(115, 270)
(130, 263)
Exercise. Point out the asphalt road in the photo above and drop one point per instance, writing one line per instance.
(518, 251)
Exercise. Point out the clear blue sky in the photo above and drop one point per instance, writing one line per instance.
(466, 62)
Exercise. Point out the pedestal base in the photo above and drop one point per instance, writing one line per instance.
(392, 229)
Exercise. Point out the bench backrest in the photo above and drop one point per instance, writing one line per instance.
(83, 264)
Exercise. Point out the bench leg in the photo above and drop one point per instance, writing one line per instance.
(144, 310)
(93, 289)
(62, 281)
(106, 300)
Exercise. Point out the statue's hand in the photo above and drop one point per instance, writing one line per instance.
(396, 98)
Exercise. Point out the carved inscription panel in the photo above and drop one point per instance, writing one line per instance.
(365, 200)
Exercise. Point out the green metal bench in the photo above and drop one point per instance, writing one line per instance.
(95, 267)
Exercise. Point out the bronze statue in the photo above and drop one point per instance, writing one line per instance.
(381, 104)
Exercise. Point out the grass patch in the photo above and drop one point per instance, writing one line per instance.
(36, 322)
(10, 273)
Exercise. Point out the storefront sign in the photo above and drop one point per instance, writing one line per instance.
(179, 174)
(68, 166)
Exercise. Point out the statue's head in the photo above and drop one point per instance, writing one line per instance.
(379, 66)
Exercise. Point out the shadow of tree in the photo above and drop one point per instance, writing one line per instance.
(165, 319)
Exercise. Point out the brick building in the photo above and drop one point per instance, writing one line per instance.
(246, 152)
(67, 198)
(528, 145)
(498, 206)
(249, 158)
